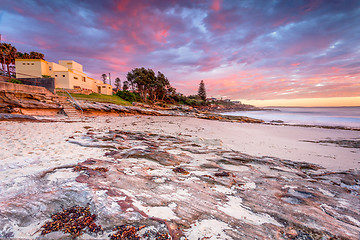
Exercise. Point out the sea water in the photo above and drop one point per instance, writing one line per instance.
(325, 116)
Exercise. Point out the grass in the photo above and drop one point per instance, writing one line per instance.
(99, 98)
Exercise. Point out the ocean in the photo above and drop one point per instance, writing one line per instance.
(324, 116)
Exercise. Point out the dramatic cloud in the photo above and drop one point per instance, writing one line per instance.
(262, 50)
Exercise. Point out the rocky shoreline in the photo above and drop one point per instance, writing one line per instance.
(152, 185)
(47, 104)
(25, 106)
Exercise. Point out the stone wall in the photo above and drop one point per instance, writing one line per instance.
(48, 83)
(13, 87)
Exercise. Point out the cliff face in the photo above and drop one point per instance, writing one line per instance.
(17, 98)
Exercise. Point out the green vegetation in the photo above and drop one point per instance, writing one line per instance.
(128, 96)
(99, 98)
(13, 80)
(192, 100)
(46, 76)
(150, 87)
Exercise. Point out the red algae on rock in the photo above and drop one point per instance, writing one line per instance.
(74, 220)
(125, 233)
(180, 170)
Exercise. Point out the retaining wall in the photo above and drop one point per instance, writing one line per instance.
(48, 83)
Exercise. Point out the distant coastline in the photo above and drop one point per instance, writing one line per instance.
(311, 107)
(310, 116)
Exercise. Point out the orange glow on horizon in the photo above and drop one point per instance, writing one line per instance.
(307, 102)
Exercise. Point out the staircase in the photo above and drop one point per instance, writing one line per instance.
(69, 108)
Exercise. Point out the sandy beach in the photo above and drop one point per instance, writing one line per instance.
(36, 159)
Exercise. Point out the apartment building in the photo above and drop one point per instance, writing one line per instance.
(68, 74)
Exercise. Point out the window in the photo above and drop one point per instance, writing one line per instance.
(103, 86)
(49, 68)
(28, 63)
(84, 79)
(75, 77)
(63, 75)
(23, 63)
(55, 75)
(32, 63)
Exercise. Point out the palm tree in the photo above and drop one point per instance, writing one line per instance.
(2, 57)
(9, 54)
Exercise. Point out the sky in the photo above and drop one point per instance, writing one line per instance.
(262, 52)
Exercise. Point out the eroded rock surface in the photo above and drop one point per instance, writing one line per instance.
(187, 189)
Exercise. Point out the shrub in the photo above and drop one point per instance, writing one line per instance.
(128, 96)
(13, 80)
(46, 76)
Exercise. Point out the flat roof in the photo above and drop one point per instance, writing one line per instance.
(21, 59)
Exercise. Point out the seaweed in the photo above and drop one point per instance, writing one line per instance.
(74, 220)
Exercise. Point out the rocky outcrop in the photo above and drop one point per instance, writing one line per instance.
(14, 101)
(14, 98)
(229, 106)
(231, 118)
(16, 117)
(93, 108)
(32, 100)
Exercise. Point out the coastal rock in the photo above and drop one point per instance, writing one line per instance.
(173, 185)
(15, 101)
(91, 107)
(19, 117)
(15, 98)
(227, 118)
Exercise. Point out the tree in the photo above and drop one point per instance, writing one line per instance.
(140, 80)
(202, 91)
(32, 55)
(8, 55)
(36, 55)
(160, 88)
(125, 85)
(2, 57)
(148, 85)
(104, 77)
(117, 84)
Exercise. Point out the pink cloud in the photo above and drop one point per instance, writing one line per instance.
(161, 35)
(122, 5)
(216, 5)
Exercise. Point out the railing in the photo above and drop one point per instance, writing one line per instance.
(82, 112)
